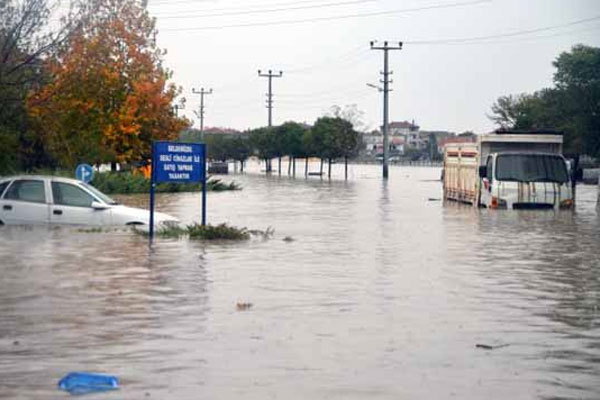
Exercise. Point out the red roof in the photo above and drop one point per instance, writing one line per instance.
(403, 125)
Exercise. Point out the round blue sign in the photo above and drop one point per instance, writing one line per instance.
(84, 172)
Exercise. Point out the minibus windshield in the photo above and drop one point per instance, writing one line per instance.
(531, 168)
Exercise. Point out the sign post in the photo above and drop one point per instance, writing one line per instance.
(177, 163)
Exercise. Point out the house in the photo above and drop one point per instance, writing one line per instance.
(409, 130)
(372, 141)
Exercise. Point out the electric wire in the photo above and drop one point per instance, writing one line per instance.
(330, 18)
(264, 11)
(501, 35)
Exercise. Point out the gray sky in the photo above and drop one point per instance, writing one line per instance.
(327, 60)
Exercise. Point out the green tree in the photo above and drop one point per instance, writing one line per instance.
(26, 39)
(263, 141)
(334, 137)
(217, 147)
(572, 106)
(240, 149)
(291, 134)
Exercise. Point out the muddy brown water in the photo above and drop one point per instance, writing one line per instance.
(383, 293)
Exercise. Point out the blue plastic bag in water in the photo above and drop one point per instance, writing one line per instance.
(84, 382)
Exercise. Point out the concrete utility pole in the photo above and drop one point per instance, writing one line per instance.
(200, 113)
(270, 75)
(386, 81)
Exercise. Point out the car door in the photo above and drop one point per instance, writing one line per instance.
(72, 205)
(3, 186)
(25, 202)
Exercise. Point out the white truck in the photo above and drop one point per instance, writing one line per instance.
(509, 169)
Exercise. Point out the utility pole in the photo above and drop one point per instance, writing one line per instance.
(200, 113)
(386, 90)
(271, 75)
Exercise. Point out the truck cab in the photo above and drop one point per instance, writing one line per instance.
(509, 169)
(525, 180)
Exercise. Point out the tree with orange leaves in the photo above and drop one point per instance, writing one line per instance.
(109, 97)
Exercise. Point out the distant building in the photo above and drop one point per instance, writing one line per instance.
(409, 130)
(373, 143)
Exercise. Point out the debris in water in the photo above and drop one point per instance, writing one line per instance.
(433, 199)
(83, 382)
(489, 347)
(288, 239)
(243, 306)
(16, 343)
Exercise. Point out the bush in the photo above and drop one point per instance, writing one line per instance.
(127, 183)
(199, 232)
(219, 232)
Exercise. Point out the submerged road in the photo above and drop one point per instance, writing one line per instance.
(378, 292)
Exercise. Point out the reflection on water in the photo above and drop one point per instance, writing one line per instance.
(383, 293)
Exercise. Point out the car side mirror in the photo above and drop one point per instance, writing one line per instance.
(96, 205)
(483, 171)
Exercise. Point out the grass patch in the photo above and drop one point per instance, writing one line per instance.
(218, 232)
(209, 232)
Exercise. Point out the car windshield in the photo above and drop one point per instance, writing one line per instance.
(531, 168)
(100, 195)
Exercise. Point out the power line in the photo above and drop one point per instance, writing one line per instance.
(265, 5)
(501, 35)
(329, 61)
(272, 10)
(331, 18)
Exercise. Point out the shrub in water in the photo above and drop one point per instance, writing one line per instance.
(219, 232)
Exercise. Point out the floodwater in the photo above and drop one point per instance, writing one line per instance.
(383, 293)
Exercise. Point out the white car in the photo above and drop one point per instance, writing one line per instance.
(34, 200)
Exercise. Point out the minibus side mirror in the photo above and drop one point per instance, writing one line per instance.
(483, 171)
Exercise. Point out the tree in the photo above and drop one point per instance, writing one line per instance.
(263, 141)
(217, 147)
(291, 134)
(334, 137)
(109, 98)
(240, 149)
(26, 39)
(350, 113)
(572, 106)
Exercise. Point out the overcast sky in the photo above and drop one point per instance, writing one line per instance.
(322, 47)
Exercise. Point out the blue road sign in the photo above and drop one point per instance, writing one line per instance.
(179, 162)
(84, 172)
